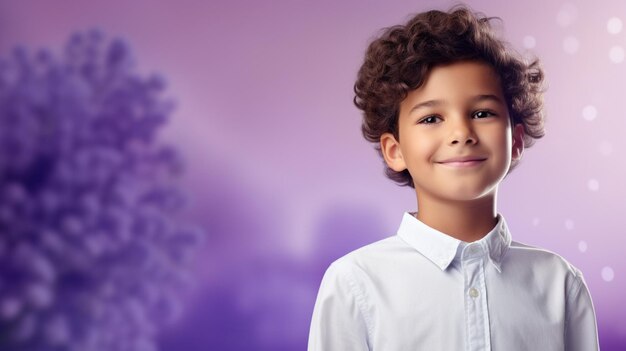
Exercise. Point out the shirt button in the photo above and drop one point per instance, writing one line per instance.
(473, 292)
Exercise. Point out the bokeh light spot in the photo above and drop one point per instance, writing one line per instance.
(605, 148)
(614, 25)
(616, 54)
(529, 42)
(608, 274)
(567, 15)
(571, 45)
(590, 112)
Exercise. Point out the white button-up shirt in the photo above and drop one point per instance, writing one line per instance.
(425, 290)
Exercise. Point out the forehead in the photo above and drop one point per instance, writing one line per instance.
(456, 82)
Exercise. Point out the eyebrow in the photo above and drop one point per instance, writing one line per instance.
(475, 99)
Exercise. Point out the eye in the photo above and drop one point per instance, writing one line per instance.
(483, 113)
(428, 120)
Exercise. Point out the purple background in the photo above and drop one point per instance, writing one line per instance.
(281, 177)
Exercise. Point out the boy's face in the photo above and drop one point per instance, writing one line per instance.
(459, 111)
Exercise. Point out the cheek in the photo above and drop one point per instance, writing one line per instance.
(424, 148)
(414, 144)
(504, 143)
(503, 147)
(501, 140)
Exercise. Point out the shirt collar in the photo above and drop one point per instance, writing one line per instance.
(442, 249)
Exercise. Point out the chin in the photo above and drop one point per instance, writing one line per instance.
(469, 194)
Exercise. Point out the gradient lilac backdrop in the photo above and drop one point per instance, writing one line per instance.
(282, 179)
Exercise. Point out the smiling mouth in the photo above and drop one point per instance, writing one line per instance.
(462, 164)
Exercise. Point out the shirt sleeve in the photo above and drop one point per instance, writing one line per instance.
(581, 332)
(338, 323)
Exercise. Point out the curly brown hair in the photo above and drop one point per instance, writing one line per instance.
(399, 60)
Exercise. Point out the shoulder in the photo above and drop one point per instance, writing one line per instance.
(373, 253)
(544, 263)
(371, 259)
(541, 256)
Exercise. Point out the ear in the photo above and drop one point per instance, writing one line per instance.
(390, 148)
(518, 142)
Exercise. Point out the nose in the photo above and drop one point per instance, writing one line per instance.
(462, 132)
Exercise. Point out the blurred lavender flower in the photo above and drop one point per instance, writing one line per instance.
(92, 256)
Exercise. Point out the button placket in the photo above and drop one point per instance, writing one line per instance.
(477, 315)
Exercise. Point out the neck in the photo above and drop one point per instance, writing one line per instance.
(467, 220)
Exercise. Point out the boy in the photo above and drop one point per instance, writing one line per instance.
(451, 110)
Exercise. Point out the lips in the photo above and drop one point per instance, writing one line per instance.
(463, 162)
(461, 159)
